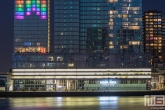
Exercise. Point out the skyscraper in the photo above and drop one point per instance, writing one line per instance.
(152, 34)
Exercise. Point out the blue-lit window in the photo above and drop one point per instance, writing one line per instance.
(27, 43)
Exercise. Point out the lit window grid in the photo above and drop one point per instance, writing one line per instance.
(153, 40)
(128, 14)
(38, 6)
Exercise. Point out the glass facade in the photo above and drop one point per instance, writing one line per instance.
(152, 32)
(125, 25)
(81, 84)
(31, 27)
(93, 14)
(66, 26)
(137, 60)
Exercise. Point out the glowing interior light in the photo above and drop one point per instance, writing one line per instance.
(19, 17)
(38, 9)
(37, 6)
(44, 5)
(34, 6)
(19, 8)
(107, 82)
(37, 13)
(43, 13)
(33, 9)
(43, 17)
(28, 9)
(43, 2)
(28, 5)
(28, 13)
(38, 2)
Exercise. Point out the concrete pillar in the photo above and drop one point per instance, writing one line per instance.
(67, 85)
(11, 85)
(57, 84)
(75, 85)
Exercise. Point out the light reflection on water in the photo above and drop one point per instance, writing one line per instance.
(74, 103)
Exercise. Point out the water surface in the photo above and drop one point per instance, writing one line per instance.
(74, 103)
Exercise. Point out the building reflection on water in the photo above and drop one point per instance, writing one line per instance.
(74, 103)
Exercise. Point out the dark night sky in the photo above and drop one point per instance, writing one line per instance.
(7, 26)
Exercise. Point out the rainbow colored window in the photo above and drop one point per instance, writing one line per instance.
(27, 7)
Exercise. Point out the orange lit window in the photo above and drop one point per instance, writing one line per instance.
(43, 50)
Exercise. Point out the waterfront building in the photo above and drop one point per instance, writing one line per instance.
(97, 46)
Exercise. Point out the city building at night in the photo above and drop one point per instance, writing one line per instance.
(153, 42)
(97, 46)
(152, 32)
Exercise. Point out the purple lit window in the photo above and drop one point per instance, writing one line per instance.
(43, 17)
(37, 13)
(19, 17)
(28, 13)
(33, 9)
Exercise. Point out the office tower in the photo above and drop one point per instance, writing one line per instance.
(152, 34)
(32, 26)
(122, 22)
(97, 46)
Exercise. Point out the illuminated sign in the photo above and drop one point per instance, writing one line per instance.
(107, 82)
(27, 7)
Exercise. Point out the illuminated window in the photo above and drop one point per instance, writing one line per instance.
(30, 6)
(155, 19)
(111, 1)
(159, 19)
(62, 33)
(147, 20)
(134, 43)
(111, 43)
(125, 15)
(110, 35)
(159, 26)
(38, 44)
(70, 64)
(110, 23)
(111, 47)
(59, 58)
(146, 16)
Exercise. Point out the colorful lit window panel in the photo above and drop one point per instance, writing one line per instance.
(27, 7)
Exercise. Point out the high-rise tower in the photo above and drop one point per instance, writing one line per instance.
(152, 34)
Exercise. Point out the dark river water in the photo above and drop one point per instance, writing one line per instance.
(74, 103)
